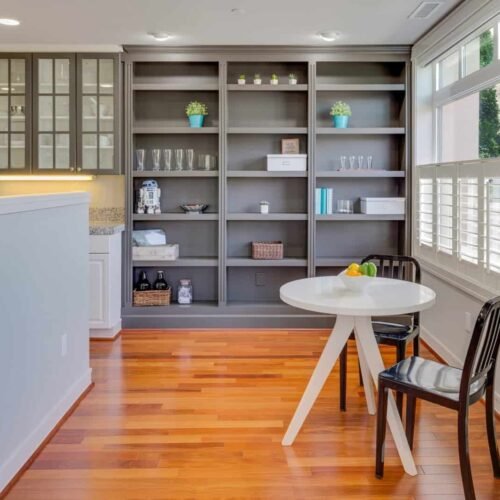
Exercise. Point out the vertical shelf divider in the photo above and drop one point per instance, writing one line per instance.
(222, 182)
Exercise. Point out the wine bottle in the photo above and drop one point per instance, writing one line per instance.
(160, 283)
(143, 283)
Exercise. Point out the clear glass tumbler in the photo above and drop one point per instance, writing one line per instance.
(352, 162)
(179, 159)
(361, 161)
(167, 159)
(156, 157)
(140, 155)
(345, 207)
(343, 162)
(189, 154)
(369, 161)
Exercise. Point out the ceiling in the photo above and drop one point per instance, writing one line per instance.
(211, 22)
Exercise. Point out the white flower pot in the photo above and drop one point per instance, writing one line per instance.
(292, 81)
(274, 82)
(241, 81)
(257, 81)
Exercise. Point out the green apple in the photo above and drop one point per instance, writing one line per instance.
(364, 269)
(371, 269)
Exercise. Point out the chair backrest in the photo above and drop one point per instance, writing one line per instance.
(401, 267)
(482, 353)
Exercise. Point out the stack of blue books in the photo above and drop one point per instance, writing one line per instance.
(324, 201)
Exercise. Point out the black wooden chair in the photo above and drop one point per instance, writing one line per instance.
(394, 334)
(450, 387)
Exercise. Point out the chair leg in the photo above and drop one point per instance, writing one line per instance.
(360, 375)
(463, 452)
(416, 346)
(383, 395)
(343, 378)
(410, 418)
(400, 355)
(490, 426)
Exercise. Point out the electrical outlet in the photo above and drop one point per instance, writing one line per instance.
(64, 345)
(468, 322)
(260, 279)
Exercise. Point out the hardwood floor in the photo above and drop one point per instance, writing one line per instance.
(200, 414)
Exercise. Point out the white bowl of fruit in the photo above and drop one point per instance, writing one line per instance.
(358, 276)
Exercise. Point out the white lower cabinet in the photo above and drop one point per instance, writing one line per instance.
(105, 285)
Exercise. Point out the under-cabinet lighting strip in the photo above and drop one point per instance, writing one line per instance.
(47, 177)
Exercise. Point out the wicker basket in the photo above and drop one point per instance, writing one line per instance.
(269, 250)
(152, 297)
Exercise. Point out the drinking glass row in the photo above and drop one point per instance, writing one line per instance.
(174, 159)
(356, 162)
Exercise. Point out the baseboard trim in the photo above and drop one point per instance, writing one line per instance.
(106, 333)
(24, 456)
(444, 355)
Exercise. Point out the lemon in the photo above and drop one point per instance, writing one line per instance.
(353, 267)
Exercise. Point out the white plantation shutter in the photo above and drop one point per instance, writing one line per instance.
(445, 209)
(458, 220)
(425, 209)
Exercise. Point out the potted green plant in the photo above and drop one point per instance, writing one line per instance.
(257, 80)
(274, 79)
(196, 112)
(340, 113)
(241, 79)
(292, 79)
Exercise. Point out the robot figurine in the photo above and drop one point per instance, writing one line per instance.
(149, 198)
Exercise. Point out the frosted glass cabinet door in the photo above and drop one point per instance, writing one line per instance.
(54, 103)
(98, 124)
(15, 113)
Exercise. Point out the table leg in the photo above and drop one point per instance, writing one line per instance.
(336, 342)
(365, 337)
(367, 380)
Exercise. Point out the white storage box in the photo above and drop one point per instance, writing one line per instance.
(383, 206)
(283, 163)
(156, 252)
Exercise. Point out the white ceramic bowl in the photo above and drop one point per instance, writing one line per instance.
(355, 283)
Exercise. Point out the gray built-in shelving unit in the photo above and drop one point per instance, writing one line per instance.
(245, 123)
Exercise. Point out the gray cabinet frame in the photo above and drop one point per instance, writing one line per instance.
(117, 93)
(72, 111)
(28, 113)
(224, 313)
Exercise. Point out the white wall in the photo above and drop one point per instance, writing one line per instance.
(43, 297)
(444, 325)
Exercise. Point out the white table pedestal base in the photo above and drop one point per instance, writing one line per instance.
(371, 363)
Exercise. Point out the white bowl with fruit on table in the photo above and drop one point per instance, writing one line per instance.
(358, 276)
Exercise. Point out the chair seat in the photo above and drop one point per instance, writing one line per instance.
(430, 376)
(393, 331)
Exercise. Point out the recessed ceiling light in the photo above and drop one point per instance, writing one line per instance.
(238, 11)
(329, 36)
(10, 22)
(160, 36)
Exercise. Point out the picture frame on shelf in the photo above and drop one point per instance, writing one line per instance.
(290, 146)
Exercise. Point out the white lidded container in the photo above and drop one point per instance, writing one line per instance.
(284, 163)
(156, 252)
(383, 206)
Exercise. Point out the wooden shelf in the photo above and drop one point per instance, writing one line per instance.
(263, 173)
(267, 130)
(266, 217)
(175, 216)
(362, 87)
(371, 174)
(180, 262)
(177, 173)
(176, 86)
(358, 217)
(361, 131)
(249, 262)
(158, 128)
(250, 87)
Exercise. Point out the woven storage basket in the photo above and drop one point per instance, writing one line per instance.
(152, 297)
(272, 250)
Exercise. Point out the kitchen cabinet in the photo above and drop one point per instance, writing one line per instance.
(105, 285)
(15, 113)
(98, 110)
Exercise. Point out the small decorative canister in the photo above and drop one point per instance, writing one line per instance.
(185, 292)
(264, 207)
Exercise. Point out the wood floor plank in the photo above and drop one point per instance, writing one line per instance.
(200, 414)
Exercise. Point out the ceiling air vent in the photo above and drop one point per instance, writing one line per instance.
(424, 10)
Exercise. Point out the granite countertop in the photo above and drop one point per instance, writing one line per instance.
(106, 221)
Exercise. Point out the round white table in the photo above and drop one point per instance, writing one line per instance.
(354, 310)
